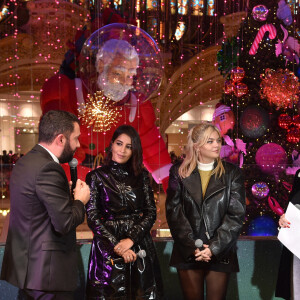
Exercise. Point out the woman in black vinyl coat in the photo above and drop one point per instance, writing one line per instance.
(205, 205)
(121, 212)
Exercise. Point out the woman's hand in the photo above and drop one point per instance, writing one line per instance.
(123, 246)
(283, 222)
(203, 255)
(129, 256)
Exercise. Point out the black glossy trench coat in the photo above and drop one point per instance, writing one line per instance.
(121, 206)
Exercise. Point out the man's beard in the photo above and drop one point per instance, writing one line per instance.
(114, 91)
(67, 153)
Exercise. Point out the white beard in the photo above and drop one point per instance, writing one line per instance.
(114, 91)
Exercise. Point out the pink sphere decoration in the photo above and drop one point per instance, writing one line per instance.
(260, 13)
(260, 190)
(271, 158)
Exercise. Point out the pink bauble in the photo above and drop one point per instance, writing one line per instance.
(271, 158)
(260, 13)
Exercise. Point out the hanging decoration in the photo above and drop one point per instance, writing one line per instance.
(296, 163)
(274, 205)
(228, 87)
(284, 121)
(293, 135)
(260, 34)
(260, 190)
(289, 47)
(233, 152)
(296, 120)
(240, 89)
(223, 118)
(280, 88)
(292, 125)
(254, 121)
(237, 74)
(284, 13)
(260, 13)
(234, 85)
(287, 186)
(271, 158)
(99, 112)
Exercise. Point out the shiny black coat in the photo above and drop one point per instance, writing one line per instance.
(121, 206)
(221, 212)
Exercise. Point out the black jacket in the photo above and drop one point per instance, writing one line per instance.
(121, 206)
(40, 251)
(222, 211)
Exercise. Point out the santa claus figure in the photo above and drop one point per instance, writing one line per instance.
(117, 64)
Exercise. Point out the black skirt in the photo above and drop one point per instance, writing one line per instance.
(227, 264)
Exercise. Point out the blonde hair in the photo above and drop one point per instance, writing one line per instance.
(198, 136)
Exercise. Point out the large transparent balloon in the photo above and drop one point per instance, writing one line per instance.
(120, 58)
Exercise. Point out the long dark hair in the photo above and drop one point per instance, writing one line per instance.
(136, 159)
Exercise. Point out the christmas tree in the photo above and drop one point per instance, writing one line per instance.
(261, 66)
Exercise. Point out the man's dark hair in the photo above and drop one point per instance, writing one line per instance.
(56, 122)
(136, 160)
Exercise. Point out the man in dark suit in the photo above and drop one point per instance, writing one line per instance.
(40, 253)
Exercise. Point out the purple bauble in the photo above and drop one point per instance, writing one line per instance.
(260, 13)
(260, 190)
(271, 158)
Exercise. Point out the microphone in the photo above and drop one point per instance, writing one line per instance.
(73, 171)
(120, 260)
(199, 244)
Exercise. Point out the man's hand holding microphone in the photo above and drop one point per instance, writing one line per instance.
(80, 190)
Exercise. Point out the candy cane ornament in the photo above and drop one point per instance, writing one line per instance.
(261, 32)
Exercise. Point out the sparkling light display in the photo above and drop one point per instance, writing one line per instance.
(49, 31)
(100, 112)
(280, 88)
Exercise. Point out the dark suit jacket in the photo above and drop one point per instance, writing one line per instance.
(40, 250)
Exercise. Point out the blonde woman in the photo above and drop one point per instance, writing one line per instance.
(205, 210)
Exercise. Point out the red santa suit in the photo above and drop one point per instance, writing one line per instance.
(62, 93)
